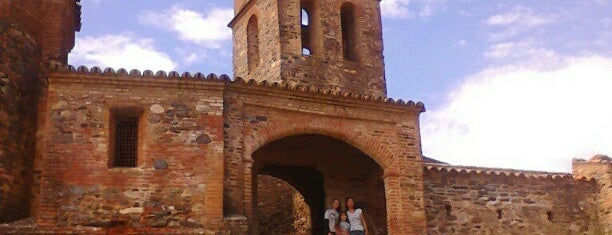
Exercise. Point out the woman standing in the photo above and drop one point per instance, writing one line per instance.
(356, 218)
(331, 217)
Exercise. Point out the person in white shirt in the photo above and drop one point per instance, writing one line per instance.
(356, 218)
(331, 217)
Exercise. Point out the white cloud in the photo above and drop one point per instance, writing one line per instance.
(519, 15)
(207, 30)
(396, 9)
(526, 53)
(404, 9)
(525, 117)
(518, 20)
(120, 51)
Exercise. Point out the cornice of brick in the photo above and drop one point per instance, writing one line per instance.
(484, 171)
(82, 74)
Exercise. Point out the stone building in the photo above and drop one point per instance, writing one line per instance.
(304, 120)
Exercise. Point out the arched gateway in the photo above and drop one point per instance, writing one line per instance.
(365, 152)
(322, 168)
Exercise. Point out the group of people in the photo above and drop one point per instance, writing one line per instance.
(348, 222)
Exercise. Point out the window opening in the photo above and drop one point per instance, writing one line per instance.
(307, 28)
(126, 141)
(347, 14)
(253, 44)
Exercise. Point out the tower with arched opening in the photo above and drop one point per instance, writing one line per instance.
(335, 45)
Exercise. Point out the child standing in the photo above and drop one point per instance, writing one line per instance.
(343, 225)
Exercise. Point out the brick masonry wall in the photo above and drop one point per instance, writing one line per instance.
(388, 134)
(183, 123)
(266, 12)
(19, 88)
(347, 76)
(181, 126)
(50, 23)
(479, 203)
(29, 37)
(326, 67)
(281, 46)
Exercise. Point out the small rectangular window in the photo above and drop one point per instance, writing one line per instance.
(124, 137)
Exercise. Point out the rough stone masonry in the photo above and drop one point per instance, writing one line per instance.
(304, 120)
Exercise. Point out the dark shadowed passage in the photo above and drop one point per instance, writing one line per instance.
(320, 168)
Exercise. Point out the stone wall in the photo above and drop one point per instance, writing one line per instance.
(177, 182)
(302, 214)
(19, 87)
(599, 169)
(281, 209)
(485, 201)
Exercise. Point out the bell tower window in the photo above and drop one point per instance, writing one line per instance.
(347, 14)
(253, 43)
(306, 14)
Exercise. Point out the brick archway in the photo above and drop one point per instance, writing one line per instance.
(390, 143)
(373, 150)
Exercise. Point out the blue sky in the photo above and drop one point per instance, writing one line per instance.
(514, 84)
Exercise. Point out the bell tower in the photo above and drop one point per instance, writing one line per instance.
(330, 44)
